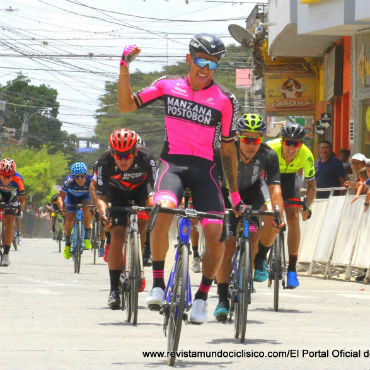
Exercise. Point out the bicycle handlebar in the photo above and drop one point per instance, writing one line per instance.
(188, 213)
(129, 209)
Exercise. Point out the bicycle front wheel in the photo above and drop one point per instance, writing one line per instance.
(177, 304)
(78, 247)
(277, 270)
(134, 277)
(245, 288)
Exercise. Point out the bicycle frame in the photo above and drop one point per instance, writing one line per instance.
(183, 242)
(77, 222)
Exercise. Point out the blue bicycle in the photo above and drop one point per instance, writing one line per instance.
(178, 299)
(78, 237)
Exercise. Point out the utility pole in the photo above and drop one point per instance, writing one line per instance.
(25, 125)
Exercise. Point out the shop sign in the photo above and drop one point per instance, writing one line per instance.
(289, 89)
(363, 62)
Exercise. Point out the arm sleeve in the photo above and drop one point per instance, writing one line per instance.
(101, 178)
(20, 184)
(229, 118)
(309, 167)
(149, 94)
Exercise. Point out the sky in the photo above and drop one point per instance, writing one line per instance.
(74, 46)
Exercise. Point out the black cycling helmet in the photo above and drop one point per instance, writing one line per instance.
(208, 44)
(54, 198)
(292, 131)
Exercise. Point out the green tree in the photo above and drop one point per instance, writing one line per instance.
(38, 106)
(40, 170)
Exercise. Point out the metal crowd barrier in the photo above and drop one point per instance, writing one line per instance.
(336, 239)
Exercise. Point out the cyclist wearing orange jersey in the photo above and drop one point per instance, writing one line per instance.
(13, 195)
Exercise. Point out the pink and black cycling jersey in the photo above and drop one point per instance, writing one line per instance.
(195, 120)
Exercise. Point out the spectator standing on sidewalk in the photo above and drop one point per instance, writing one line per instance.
(343, 156)
(329, 169)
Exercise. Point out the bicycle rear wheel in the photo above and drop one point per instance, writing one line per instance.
(245, 287)
(177, 303)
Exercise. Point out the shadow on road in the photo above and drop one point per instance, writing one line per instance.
(247, 341)
(125, 323)
(280, 310)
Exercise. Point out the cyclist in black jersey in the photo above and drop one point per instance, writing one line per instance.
(124, 174)
(259, 186)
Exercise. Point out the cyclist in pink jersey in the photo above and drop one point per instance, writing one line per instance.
(198, 112)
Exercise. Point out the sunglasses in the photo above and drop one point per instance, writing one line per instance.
(250, 140)
(79, 177)
(125, 156)
(205, 62)
(295, 143)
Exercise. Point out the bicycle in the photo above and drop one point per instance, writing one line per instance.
(2, 226)
(95, 236)
(277, 269)
(78, 237)
(241, 282)
(59, 230)
(2, 205)
(178, 297)
(277, 264)
(133, 270)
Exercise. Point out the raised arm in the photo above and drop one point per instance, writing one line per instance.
(126, 102)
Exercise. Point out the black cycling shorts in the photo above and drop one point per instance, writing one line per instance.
(122, 198)
(197, 174)
(253, 196)
(289, 186)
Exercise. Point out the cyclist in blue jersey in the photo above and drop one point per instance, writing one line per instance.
(75, 190)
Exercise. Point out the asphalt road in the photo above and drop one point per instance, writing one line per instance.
(52, 318)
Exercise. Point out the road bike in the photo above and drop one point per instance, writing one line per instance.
(178, 297)
(95, 236)
(277, 266)
(59, 230)
(241, 282)
(78, 233)
(2, 226)
(133, 270)
(2, 206)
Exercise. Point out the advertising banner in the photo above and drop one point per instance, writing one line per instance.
(290, 90)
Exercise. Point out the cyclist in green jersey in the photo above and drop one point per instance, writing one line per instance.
(294, 155)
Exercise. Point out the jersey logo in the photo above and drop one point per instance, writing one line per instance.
(181, 108)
